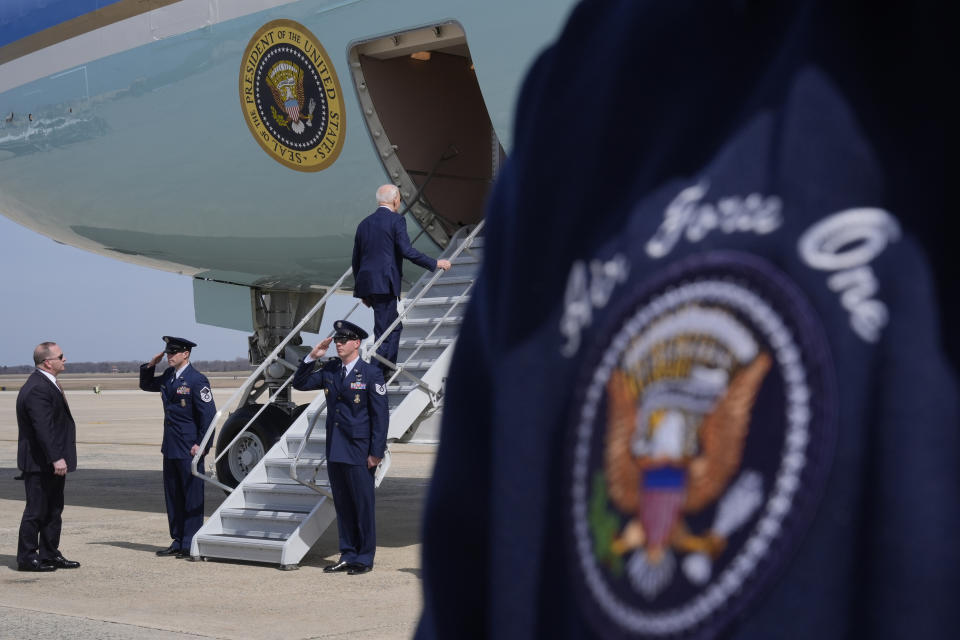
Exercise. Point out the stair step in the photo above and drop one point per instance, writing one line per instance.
(418, 367)
(260, 523)
(280, 496)
(308, 468)
(265, 514)
(448, 279)
(400, 389)
(419, 322)
(318, 437)
(477, 242)
(428, 342)
(435, 301)
(316, 446)
(218, 545)
(241, 541)
(302, 463)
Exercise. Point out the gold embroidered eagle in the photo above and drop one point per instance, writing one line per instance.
(703, 472)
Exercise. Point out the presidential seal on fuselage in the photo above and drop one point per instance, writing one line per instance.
(291, 97)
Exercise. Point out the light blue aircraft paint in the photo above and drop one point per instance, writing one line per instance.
(130, 140)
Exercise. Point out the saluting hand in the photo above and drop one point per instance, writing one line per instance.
(321, 349)
(156, 359)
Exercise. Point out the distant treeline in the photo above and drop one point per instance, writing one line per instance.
(133, 366)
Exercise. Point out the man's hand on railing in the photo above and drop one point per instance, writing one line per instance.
(321, 349)
(443, 264)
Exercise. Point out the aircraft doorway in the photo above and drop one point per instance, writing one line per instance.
(427, 118)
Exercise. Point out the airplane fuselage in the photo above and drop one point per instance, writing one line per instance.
(136, 138)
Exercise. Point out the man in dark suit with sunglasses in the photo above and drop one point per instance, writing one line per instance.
(46, 452)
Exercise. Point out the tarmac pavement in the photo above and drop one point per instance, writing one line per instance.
(114, 521)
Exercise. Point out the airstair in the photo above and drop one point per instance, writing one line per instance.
(283, 506)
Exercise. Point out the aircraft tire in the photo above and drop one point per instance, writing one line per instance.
(253, 444)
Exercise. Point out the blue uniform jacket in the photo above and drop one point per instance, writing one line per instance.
(379, 247)
(188, 408)
(357, 411)
(722, 229)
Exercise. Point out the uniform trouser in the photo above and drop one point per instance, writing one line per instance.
(353, 499)
(184, 495)
(384, 313)
(41, 522)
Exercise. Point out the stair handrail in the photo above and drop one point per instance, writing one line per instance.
(311, 421)
(401, 370)
(274, 356)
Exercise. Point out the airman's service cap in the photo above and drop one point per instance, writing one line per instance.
(176, 345)
(349, 330)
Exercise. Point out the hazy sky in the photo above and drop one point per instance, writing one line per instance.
(98, 308)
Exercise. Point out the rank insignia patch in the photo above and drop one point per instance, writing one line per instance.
(699, 446)
(206, 395)
(291, 97)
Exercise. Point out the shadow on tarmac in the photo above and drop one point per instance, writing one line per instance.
(133, 546)
(399, 501)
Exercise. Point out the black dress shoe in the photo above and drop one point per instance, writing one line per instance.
(172, 550)
(62, 563)
(336, 568)
(183, 553)
(35, 565)
(356, 569)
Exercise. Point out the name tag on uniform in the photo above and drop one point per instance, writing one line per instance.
(358, 385)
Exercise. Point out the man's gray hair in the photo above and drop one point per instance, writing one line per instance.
(387, 193)
(42, 352)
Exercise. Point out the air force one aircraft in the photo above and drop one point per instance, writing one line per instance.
(239, 142)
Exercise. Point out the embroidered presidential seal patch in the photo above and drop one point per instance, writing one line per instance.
(291, 97)
(701, 436)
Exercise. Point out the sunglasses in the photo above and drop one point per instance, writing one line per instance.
(340, 338)
(59, 357)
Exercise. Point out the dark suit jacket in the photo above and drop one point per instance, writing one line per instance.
(47, 432)
(379, 247)
(357, 410)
